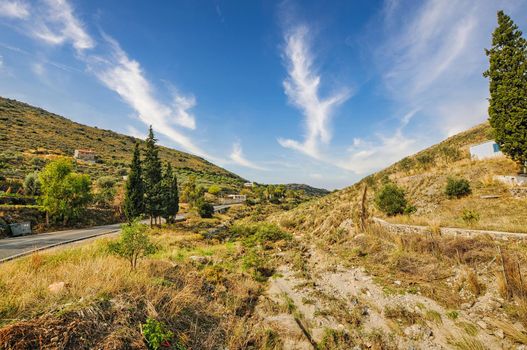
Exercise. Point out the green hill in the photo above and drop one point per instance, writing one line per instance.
(423, 177)
(31, 136)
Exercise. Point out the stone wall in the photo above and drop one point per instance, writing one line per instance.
(446, 231)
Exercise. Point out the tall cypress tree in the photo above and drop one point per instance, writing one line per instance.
(170, 194)
(507, 75)
(134, 190)
(152, 178)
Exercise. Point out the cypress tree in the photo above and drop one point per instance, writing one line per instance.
(134, 190)
(170, 194)
(507, 75)
(152, 178)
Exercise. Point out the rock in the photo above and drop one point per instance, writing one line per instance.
(199, 259)
(417, 332)
(499, 333)
(397, 283)
(482, 324)
(465, 306)
(56, 287)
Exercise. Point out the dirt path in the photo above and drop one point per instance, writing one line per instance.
(315, 301)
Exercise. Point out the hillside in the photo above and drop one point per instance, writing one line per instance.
(424, 176)
(309, 190)
(29, 136)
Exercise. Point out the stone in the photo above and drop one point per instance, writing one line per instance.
(199, 259)
(397, 283)
(56, 287)
(482, 324)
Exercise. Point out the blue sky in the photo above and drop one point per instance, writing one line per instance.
(314, 92)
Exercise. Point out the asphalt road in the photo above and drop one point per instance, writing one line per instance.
(11, 248)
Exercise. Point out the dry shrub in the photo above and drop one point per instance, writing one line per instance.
(401, 314)
(473, 283)
(511, 281)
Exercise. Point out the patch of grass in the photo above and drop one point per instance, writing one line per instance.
(433, 316)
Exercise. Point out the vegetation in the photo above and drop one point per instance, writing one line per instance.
(169, 194)
(205, 209)
(507, 75)
(31, 137)
(152, 179)
(457, 188)
(133, 244)
(32, 184)
(134, 190)
(391, 199)
(65, 194)
(105, 191)
(157, 335)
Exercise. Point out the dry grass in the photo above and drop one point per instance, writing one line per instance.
(204, 304)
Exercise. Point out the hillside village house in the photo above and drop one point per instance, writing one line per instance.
(233, 199)
(86, 155)
(484, 150)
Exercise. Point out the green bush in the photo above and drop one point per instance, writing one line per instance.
(133, 244)
(457, 188)
(157, 336)
(205, 209)
(391, 199)
(469, 216)
(32, 184)
(425, 159)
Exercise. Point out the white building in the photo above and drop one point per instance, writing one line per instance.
(487, 149)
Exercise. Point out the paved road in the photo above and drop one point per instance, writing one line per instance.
(11, 248)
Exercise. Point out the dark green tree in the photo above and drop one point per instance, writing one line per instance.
(152, 177)
(170, 194)
(134, 204)
(507, 75)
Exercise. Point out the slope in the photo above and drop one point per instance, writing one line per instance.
(29, 136)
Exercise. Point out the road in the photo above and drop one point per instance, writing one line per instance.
(11, 248)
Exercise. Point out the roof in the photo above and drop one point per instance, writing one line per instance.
(481, 143)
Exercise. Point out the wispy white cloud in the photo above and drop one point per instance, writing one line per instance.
(302, 89)
(432, 58)
(366, 156)
(125, 76)
(238, 157)
(59, 25)
(13, 9)
(54, 22)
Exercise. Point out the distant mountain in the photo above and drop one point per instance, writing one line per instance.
(310, 191)
(31, 136)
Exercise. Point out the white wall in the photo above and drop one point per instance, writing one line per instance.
(484, 150)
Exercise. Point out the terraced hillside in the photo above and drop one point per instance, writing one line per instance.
(29, 136)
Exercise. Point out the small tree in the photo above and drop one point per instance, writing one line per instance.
(205, 209)
(214, 189)
(133, 244)
(134, 189)
(32, 184)
(507, 75)
(64, 194)
(170, 194)
(391, 199)
(457, 188)
(106, 190)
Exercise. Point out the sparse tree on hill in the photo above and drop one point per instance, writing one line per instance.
(170, 194)
(507, 75)
(152, 178)
(134, 204)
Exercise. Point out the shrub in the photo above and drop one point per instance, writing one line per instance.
(157, 336)
(450, 154)
(205, 209)
(406, 164)
(32, 184)
(391, 199)
(470, 216)
(425, 159)
(457, 188)
(133, 244)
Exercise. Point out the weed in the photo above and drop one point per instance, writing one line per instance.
(434, 316)
(452, 314)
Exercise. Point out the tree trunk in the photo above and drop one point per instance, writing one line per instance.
(151, 225)
(47, 218)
